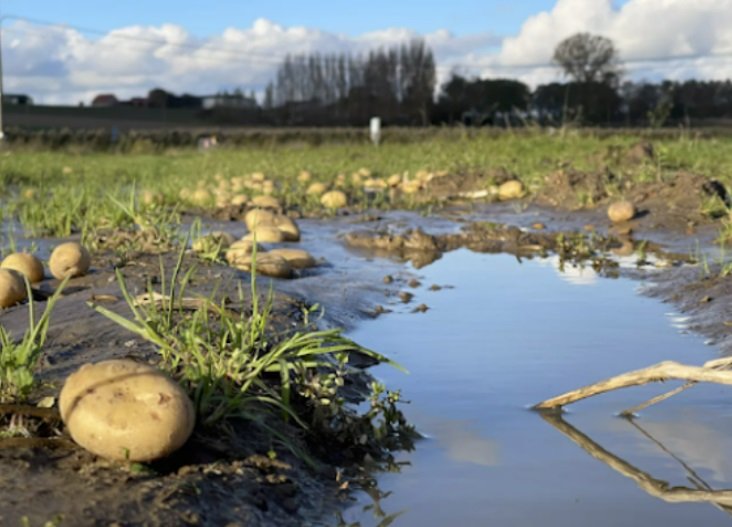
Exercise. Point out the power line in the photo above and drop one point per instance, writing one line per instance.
(202, 47)
(278, 58)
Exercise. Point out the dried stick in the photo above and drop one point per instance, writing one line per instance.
(663, 371)
(719, 364)
(653, 486)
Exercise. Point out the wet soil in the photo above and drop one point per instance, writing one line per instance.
(230, 479)
(215, 479)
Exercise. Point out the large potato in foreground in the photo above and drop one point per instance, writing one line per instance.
(24, 263)
(69, 259)
(124, 410)
(621, 211)
(12, 287)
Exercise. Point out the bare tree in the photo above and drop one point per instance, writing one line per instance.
(588, 58)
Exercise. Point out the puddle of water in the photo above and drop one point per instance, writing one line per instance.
(509, 335)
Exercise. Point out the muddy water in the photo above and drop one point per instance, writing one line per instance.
(509, 335)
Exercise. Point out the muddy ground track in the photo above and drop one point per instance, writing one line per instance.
(225, 480)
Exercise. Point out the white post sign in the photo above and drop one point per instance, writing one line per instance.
(375, 130)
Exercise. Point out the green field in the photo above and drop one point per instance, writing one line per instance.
(60, 192)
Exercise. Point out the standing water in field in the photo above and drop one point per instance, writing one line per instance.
(507, 335)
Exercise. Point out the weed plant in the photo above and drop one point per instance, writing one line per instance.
(60, 192)
(19, 359)
(236, 365)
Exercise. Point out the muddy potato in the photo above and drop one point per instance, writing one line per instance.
(411, 186)
(316, 189)
(256, 217)
(297, 258)
(621, 211)
(268, 265)
(512, 189)
(200, 197)
(12, 288)
(240, 251)
(394, 180)
(335, 199)
(124, 410)
(239, 200)
(69, 259)
(26, 264)
(265, 234)
(290, 230)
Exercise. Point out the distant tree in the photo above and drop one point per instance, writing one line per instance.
(269, 96)
(588, 58)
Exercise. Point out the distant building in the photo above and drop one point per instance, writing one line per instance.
(105, 100)
(17, 99)
(137, 102)
(224, 100)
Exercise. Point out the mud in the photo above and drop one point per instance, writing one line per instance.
(214, 480)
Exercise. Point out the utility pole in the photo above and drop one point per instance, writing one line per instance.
(2, 93)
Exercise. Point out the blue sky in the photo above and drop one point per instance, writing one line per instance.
(502, 17)
(205, 47)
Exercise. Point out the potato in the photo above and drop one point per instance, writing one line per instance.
(124, 410)
(288, 227)
(512, 189)
(24, 263)
(265, 234)
(621, 211)
(69, 259)
(268, 265)
(297, 258)
(256, 217)
(316, 189)
(12, 287)
(335, 199)
(266, 202)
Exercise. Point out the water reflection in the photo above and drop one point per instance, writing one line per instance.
(461, 442)
(699, 491)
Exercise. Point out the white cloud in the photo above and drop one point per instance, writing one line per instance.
(641, 29)
(63, 65)
(56, 64)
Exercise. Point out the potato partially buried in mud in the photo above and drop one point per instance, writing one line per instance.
(621, 211)
(124, 410)
(268, 265)
(69, 259)
(12, 288)
(297, 258)
(24, 263)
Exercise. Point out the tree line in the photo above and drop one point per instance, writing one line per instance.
(398, 84)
